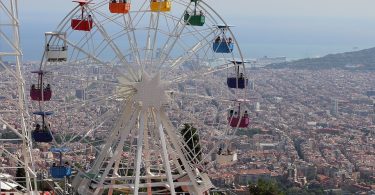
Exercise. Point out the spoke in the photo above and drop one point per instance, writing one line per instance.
(104, 118)
(116, 50)
(198, 74)
(173, 38)
(87, 103)
(80, 78)
(138, 161)
(187, 55)
(118, 151)
(203, 97)
(95, 58)
(173, 138)
(165, 154)
(132, 39)
(8, 70)
(156, 27)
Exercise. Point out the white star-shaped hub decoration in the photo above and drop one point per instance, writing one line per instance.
(150, 92)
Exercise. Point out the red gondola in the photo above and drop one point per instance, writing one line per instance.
(243, 121)
(40, 91)
(236, 119)
(82, 22)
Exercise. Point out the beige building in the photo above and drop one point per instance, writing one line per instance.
(252, 176)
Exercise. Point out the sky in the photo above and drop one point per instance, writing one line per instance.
(291, 28)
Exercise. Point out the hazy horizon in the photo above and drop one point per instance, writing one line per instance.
(272, 28)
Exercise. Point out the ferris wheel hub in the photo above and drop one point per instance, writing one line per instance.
(151, 91)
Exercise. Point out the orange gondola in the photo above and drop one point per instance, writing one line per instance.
(121, 7)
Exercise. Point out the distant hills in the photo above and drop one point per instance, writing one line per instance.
(358, 60)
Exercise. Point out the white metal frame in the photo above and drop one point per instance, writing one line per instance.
(9, 35)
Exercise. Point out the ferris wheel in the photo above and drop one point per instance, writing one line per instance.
(137, 96)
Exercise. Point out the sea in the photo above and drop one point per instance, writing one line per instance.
(32, 43)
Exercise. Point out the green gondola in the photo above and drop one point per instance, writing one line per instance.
(194, 18)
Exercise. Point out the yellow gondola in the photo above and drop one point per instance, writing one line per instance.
(161, 5)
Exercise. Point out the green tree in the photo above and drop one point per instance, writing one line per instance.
(263, 187)
(297, 191)
(21, 175)
(191, 138)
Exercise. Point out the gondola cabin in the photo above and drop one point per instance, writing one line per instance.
(225, 154)
(56, 47)
(222, 43)
(119, 7)
(222, 46)
(194, 19)
(61, 170)
(42, 132)
(43, 136)
(237, 79)
(238, 83)
(184, 179)
(226, 158)
(40, 91)
(161, 5)
(241, 122)
(239, 119)
(84, 22)
(202, 180)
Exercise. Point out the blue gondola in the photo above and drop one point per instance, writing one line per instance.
(42, 133)
(222, 43)
(42, 136)
(59, 150)
(222, 47)
(239, 83)
(60, 171)
(238, 80)
(42, 113)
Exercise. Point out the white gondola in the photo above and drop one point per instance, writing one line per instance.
(226, 158)
(226, 155)
(56, 51)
